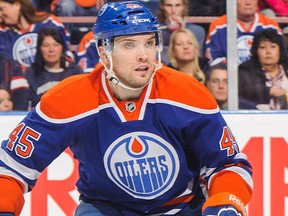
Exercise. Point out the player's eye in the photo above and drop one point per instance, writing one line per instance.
(129, 45)
(150, 43)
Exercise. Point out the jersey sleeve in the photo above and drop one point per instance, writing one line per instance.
(224, 168)
(48, 129)
(33, 144)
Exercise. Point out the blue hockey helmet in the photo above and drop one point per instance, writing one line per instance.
(124, 18)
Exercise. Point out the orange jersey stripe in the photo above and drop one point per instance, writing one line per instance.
(182, 199)
(227, 181)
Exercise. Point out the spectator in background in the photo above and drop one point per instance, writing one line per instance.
(24, 23)
(273, 8)
(248, 22)
(184, 54)
(264, 78)
(50, 66)
(217, 83)
(86, 54)
(171, 15)
(12, 77)
(6, 103)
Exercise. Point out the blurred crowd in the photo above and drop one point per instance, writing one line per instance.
(36, 51)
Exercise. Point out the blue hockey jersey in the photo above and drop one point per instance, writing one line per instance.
(216, 41)
(21, 45)
(146, 155)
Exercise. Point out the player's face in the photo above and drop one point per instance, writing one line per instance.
(133, 59)
(217, 84)
(172, 8)
(269, 53)
(51, 52)
(183, 48)
(10, 12)
(246, 8)
(5, 101)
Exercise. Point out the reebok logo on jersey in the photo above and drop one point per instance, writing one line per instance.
(142, 164)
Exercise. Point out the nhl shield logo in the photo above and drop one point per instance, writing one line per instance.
(130, 106)
(142, 164)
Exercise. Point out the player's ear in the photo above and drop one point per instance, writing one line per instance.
(103, 55)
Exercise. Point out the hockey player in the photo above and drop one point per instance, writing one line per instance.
(150, 140)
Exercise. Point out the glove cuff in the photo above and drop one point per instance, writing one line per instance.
(225, 198)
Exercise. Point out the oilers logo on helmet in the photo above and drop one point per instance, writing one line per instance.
(24, 49)
(102, 9)
(142, 164)
(132, 6)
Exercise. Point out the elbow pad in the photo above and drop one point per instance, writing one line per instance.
(11, 196)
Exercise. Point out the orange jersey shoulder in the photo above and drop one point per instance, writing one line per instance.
(83, 93)
(73, 96)
(182, 88)
(267, 22)
(220, 22)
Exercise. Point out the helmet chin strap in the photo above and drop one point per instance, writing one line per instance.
(112, 77)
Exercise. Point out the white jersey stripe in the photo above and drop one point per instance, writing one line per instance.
(31, 174)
